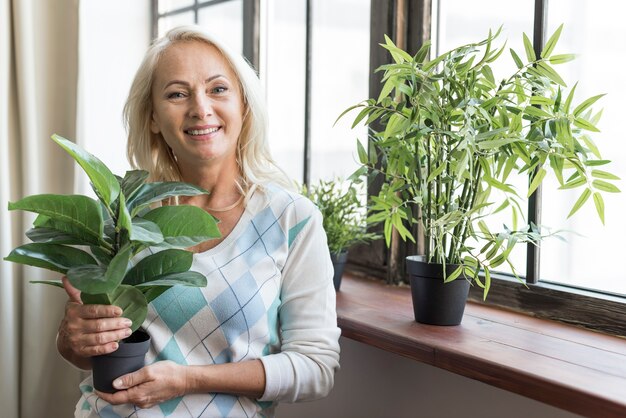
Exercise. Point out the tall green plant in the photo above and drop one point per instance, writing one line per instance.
(342, 212)
(452, 133)
(115, 228)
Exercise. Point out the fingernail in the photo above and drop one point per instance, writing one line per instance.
(115, 346)
(117, 383)
(127, 322)
(128, 331)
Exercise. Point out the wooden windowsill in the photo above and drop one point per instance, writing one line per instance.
(561, 365)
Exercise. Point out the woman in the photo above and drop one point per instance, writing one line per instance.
(264, 329)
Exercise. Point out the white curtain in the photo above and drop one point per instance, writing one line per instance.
(38, 79)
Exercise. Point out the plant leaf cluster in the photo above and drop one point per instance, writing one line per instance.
(94, 242)
(449, 133)
(344, 220)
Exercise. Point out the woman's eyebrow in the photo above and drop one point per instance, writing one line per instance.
(185, 83)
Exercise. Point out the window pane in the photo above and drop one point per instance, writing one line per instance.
(340, 78)
(169, 5)
(458, 25)
(167, 23)
(226, 21)
(592, 30)
(283, 64)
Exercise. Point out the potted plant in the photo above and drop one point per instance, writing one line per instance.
(115, 228)
(451, 133)
(343, 219)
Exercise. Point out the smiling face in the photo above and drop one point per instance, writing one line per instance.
(197, 104)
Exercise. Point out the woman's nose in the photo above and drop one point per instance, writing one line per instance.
(201, 107)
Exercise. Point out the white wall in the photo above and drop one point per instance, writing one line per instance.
(373, 383)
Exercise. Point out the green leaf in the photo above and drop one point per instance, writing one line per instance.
(53, 257)
(605, 186)
(55, 283)
(568, 100)
(160, 263)
(452, 276)
(581, 201)
(541, 173)
(123, 216)
(153, 292)
(549, 47)
(528, 47)
(584, 105)
(132, 180)
(146, 232)
(583, 124)
(185, 278)
(516, 58)
(95, 279)
(537, 112)
(599, 174)
(156, 192)
(549, 72)
(577, 182)
(599, 202)
(101, 177)
(561, 58)
(363, 158)
(184, 226)
(132, 301)
(81, 213)
(53, 236)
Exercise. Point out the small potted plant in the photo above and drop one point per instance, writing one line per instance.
(127, 219)
(343, 219)
(451, 134)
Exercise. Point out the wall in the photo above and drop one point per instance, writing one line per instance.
(373, 383)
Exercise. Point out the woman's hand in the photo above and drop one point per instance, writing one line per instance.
(150, 385)
(89, 330)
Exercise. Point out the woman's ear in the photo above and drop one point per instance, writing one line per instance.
(154, 125)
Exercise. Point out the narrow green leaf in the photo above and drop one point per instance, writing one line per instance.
(363, 157)
(580, 202)
(53, 257)
(599, 174)
(583, 124)
(549, 72)
(568, 100)
(586, 104)
(541, 173)
(577, 182)
(549, 47)
(561, 58)
(605, 186)
(101, 177)
(516, 58)
(55, 283)
(452, 276)
(599, 202)
(528, 47)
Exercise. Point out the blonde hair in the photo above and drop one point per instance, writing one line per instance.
(150, 152)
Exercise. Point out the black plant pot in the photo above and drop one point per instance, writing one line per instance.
(339, 262)
(129, 357)
(436, 302)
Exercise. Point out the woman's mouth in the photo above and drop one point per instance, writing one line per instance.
(201, 132)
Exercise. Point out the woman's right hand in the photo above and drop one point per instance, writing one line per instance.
(89, 330)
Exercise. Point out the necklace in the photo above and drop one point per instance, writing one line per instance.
(227, 208)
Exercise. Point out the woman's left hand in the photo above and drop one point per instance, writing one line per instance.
(149, 386)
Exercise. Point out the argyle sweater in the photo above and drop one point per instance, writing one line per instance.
(269, 296)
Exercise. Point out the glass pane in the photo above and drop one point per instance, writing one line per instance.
(226, 21)
(282, 61)
(458, 25)
(167, 23)
(340, 78)
(169, 5)
(592, 30)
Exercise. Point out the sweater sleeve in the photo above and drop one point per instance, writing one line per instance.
(304, 369)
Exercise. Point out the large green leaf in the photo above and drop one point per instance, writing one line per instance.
(104, 182)
(163, 262)
(78, 215)
(155, 192)
(97, 279)
(132, 180)
(184, 226)
(53, 257)
(53, 236)
(146, 232)
(186, 278)
(132, 301)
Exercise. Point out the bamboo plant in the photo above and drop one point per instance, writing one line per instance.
(452, 133)
(95, 243)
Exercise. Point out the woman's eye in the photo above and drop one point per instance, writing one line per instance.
(219, 89)
(176, 95)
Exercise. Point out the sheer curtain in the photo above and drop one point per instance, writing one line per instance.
(38, 79)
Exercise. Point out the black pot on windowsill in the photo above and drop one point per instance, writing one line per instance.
(339, 262)
(436, 302)
(129, 357)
